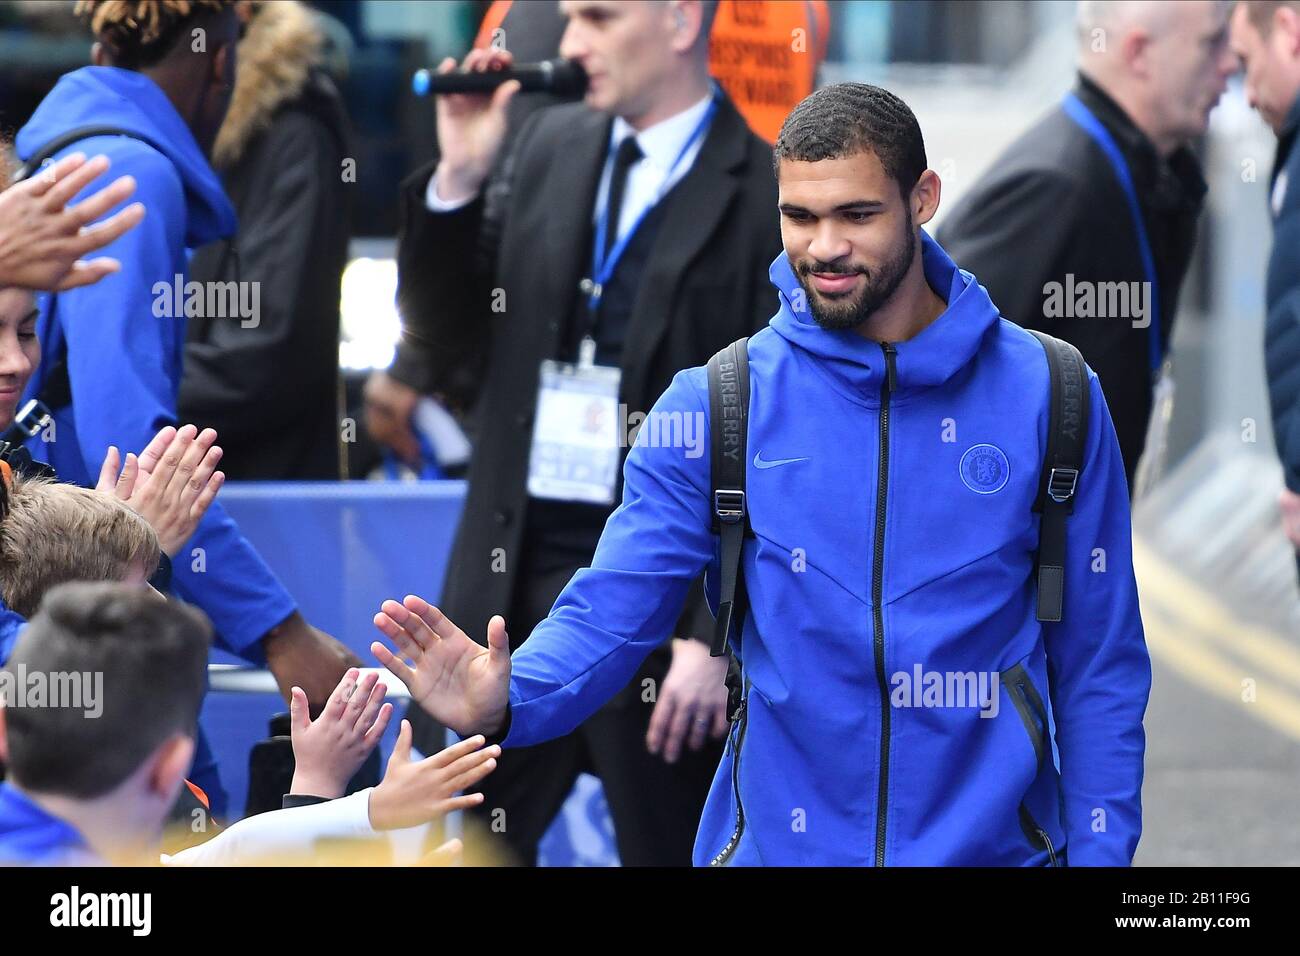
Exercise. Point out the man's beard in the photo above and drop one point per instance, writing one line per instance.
(877, 289)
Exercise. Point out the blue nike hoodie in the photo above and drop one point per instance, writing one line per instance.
(123, 360)
(961, 732)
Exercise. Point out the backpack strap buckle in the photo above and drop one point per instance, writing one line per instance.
(1061, 484)
(729, 505)
(32, 418)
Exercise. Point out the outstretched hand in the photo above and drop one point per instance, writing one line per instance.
(327, 751)
(414, 792)
(171, 484)
(43, 239)
(461, 684)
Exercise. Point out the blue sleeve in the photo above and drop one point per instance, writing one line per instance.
(1098, 669)
(124, 355)
(612, 614)
(11, 626)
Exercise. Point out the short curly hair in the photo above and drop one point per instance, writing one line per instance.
(847, 118)
(139, 33)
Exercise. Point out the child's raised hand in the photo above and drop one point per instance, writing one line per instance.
(415, 792)
(327, 751)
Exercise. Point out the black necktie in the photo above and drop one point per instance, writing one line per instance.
(628, 153)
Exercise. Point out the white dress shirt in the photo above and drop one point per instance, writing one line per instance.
(647, 181)
(650, 179)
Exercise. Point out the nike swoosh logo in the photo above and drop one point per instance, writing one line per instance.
(760, 463)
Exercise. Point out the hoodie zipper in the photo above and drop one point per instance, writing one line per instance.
(739, 738)
(877, 596)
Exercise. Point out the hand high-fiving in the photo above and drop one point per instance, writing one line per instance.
(171, 484)
(43, 239)
(461, 684)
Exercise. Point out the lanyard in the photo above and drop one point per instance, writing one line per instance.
(603, 266)
(429, 469)
(1085, 118)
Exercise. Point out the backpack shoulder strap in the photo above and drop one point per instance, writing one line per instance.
(64, 140)
(1067, 432)
(728, 433)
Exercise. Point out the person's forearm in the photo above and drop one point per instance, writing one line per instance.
(299, 655)
(614, 613)
(1098, 666)
(221, 572)
(546, 702)
(281, 836)
(306, 784)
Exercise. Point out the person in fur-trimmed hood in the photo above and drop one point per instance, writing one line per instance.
(269, 386)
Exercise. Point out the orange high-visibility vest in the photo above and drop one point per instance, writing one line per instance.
(765, 53)
(494, 17)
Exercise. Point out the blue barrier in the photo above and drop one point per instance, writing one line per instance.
(341, 549)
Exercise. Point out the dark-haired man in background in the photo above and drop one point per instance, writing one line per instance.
(271, 389)
(896, 427)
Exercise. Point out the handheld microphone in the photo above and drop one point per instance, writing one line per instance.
(562, 77)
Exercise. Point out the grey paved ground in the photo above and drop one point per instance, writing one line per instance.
(1222, 786)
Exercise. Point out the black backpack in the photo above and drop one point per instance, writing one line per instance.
(729, 424)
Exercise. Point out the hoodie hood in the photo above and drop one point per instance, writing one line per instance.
(109, 96)
(927, 360)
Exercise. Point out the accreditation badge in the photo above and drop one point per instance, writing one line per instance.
(575, 451)
(1155, 453)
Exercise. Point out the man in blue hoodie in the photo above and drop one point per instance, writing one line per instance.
(163, 73)
(903, 704)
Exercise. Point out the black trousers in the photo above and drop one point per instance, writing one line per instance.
(655, 806)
